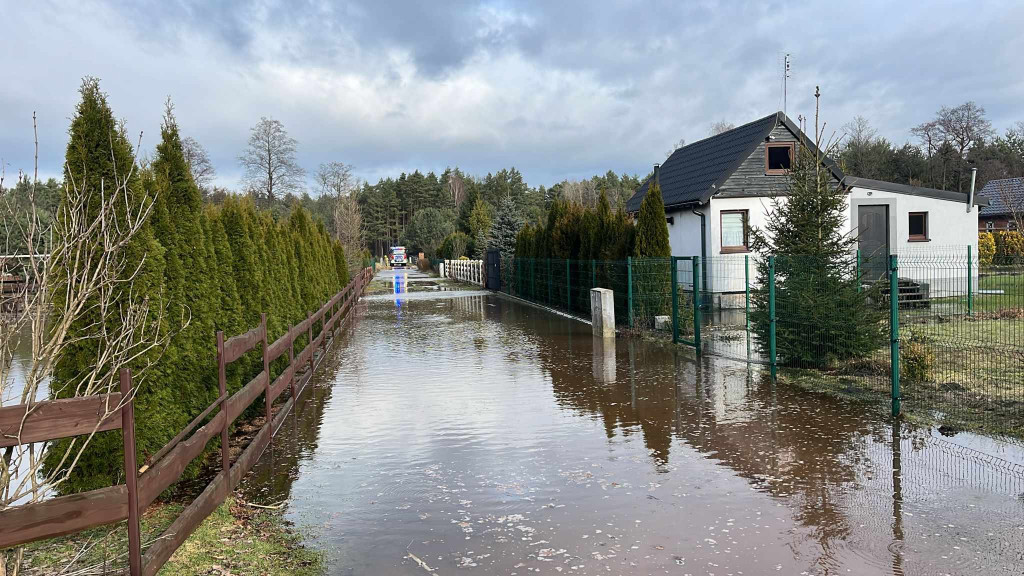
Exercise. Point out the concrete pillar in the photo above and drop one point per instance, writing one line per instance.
(602, 312)
(604, 360)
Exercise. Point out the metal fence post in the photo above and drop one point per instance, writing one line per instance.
(629, 288)
(746, 291)
(131, 473)
(771, 317)
(970, 282)
(549, 281)
(858, 271)
(675, 301)
(894, 333)
(696, 306)
(568, 287)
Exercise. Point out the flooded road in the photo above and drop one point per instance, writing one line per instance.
(474, 434)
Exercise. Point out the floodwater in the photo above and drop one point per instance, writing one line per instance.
(469, 433)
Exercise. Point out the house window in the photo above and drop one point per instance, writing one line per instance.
(734, 231)
(778, 157)
(990, 226)
(918, 227)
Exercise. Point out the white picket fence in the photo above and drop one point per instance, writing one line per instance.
(471, 271)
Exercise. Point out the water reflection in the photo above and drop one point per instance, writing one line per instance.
(628, 455)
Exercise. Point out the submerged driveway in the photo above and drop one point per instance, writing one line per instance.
(473, 432)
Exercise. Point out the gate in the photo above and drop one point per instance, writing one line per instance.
(493, 265)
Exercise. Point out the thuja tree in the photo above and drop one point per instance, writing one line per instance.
(822, 316)
(652, 269)
(104, 196)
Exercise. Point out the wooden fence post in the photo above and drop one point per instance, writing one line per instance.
(309, 336)
(266, 364)
(131, 473)
(291, 360)
(222, 385)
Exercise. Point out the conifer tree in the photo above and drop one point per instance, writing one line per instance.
(506, 226)
(651, 228)
(825, 317)
(98, 158)
(186, 365)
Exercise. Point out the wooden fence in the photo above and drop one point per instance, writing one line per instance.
(471, 271)
(54, 419)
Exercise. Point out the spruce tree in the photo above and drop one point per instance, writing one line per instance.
(506, 226)
(823, 317)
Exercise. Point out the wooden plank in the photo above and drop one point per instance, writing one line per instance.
(280, 346)
(238, 345)
(282, 382)
(195, 422)
(167, 471)
(250, 455)
(53, 419)
(65, 515)
(184, 525)
(244, 397)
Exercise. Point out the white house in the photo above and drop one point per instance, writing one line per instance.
(717, 189)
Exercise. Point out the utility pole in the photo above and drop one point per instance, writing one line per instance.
(785, 78)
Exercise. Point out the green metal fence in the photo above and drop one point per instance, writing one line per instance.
(948, 347)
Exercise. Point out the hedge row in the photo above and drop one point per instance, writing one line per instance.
(210, 267)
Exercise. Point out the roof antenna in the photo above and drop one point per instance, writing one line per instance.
(785, 77)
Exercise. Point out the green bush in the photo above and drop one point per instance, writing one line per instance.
(455, 246)
(916, 359)
(986, 248)
(1009, 247)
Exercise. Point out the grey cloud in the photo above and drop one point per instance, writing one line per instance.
(559, 89)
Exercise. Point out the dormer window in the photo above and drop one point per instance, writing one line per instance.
(778, 157)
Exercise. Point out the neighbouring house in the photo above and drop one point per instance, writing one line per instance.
(1006, 205)
(717, 189)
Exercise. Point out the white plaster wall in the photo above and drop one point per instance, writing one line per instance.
(951, 228)
(684, 233)
(941, 262)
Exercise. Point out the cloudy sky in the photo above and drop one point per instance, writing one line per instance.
(560, 89)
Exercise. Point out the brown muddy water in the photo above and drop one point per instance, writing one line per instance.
(482, 435)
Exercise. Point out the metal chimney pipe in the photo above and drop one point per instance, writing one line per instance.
(970, 195)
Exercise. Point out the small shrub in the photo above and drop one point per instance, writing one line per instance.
(986, 248)
(916, 359)
(455, 246)
(1009, 247)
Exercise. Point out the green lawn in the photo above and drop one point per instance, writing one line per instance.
(235, 539)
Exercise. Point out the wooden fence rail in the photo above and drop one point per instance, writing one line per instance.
(56, 419)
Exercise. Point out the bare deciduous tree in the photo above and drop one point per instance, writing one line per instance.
(199, 163)
(456, 188)
(90, 272)
(721, 126)
(582, 192)
(676, 146)
(269, 162)
(335, 179)
(858, 132)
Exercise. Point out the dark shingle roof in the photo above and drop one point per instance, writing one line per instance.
(692, 173)
(687, 175)
(998, 192)
(854, 181)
